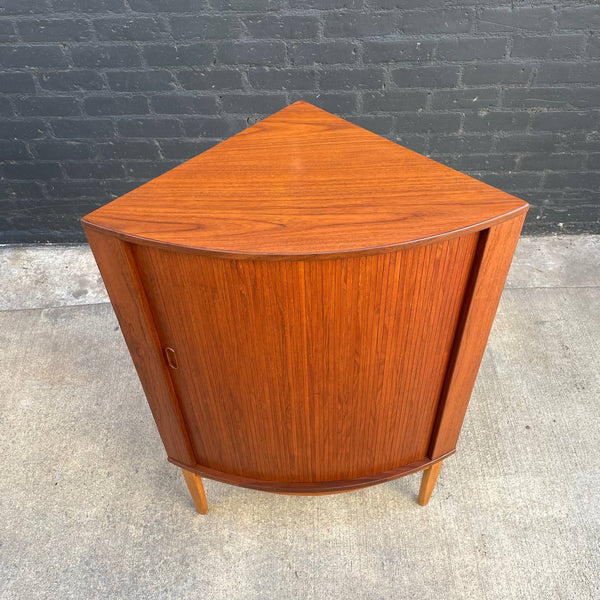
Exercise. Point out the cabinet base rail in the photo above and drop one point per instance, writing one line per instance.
(192, 475)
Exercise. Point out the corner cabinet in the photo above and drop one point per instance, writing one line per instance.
(307, 304)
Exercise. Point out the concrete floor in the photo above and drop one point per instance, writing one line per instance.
(90, 508)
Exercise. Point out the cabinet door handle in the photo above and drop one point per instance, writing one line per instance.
(171, 357)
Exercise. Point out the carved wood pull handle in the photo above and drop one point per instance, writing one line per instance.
(171, 358)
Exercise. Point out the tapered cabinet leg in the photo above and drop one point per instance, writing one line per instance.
(428, 482)
(194, 483)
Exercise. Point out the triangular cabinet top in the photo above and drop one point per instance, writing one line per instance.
(304, 182)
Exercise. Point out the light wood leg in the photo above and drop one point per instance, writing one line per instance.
(428, 482)
(194, 483)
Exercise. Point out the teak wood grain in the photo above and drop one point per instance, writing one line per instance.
(119, 272)
(304, 182)
(309, 371)
(489, 274)
(307, 304)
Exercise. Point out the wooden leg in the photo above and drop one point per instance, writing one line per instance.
(194, 483)
(428, 482)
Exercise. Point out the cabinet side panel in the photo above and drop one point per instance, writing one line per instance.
(118, 270)
(496, 249)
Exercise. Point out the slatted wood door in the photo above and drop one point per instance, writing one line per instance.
(313, 370)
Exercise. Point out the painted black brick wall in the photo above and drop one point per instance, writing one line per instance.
(99, 96)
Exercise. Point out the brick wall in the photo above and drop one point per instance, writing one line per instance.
(99, 96)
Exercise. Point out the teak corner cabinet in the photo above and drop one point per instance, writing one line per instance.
(307, 304)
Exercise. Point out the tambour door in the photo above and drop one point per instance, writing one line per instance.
(308, 370)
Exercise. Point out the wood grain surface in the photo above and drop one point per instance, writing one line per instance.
(304, 182)
(495, 252)
(309, 371)
(127, 295)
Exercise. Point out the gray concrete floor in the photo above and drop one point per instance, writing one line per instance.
(90, 508)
